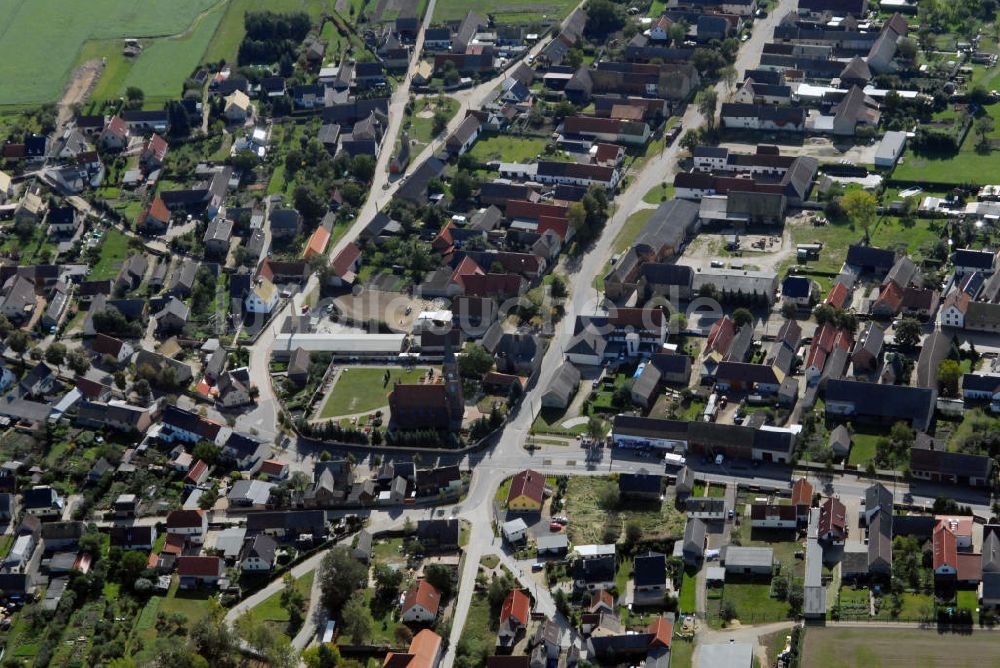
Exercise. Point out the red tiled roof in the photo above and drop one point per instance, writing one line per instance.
(317, 242)
(558, 225)
(158, 146)
(833, 517)
(199, 566)
(837, 296)
(608, 152)
(602, 596)
(467, 267)
(527, 483)
(444, 242)
(90, 389)
(590, 124)
(158, 210)
(516, 605)
(116, 126)
(518, 208)
(802, 492)
(720, 337)
(185, 519)
(346, 258)
(945, 548)
(492, 285)
(272, 467)
(662, 630)
(497, 378)
(174, 544)
(970, 567)
(423, 652)
(106, 345)
(196, 472)
(423, 594)
(891, 296)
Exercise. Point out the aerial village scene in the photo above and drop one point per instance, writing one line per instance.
(499, 333)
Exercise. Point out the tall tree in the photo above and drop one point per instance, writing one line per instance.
(708, 100)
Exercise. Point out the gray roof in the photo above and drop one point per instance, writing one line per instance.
(694, 536)
(668, 226)
(564, 382)
(747, 557)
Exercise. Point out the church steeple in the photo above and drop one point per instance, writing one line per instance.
(453, 385)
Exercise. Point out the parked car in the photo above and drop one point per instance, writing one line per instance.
(555, 526)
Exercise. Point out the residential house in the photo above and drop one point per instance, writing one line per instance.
(594, 573)
(942, 466)
(880, 403)
(640, 486)
(258, 554)
(193, 524)
(464, 136)
(514, 617)
(198, 572)
(833, 526)
(527, 491)
(438, 535)
(649, 574)
(135, 537)
(421, 603)
(42, 502)
(562, 387)
(424, 652)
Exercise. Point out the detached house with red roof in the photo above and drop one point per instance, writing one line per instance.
(197, 572)
(155, 219)
(346, 265)
(114, 137)
(826, 340)
(527, 491)
(421, 603)
(193, 524)
(424, 652)
(154, 152)
(514, 616)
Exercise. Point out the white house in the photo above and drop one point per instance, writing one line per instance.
(772, 516)
(421, 603)
(954, 308)
(262, 298)
(190, 523)
(238, 107)
(515, 530)
(258, 554)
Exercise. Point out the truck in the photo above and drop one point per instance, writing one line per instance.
(672, 459)
(711, 409)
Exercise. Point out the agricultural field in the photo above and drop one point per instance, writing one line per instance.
(41, 40)
(525, 11)
(882, 648)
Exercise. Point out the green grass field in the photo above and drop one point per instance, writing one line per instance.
(361, 390)
(753, 602)
(114, 249)
(421, 128)
(585, 507)
(688, 599)
(40, 40)
(507, 149)
(273, 614)
(876, 647)
(968, 166)
(525, 11)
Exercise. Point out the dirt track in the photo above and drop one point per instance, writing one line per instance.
(80, 86)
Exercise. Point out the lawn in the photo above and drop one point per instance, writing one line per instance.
(874, 647)
(359, 390)
(271, 612)
(114, 249)
(478, 630)
(688, 600)
(753, 602)
(422, 121)
(41, 39)
(389, 551)
(589, 512)
(967, 166)
(505, 148)
(862, 449)
(38, 248)
(660, 193)
(968, 599)
(681, 653)
(549, 421)
(626, 236)
(523, 11)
